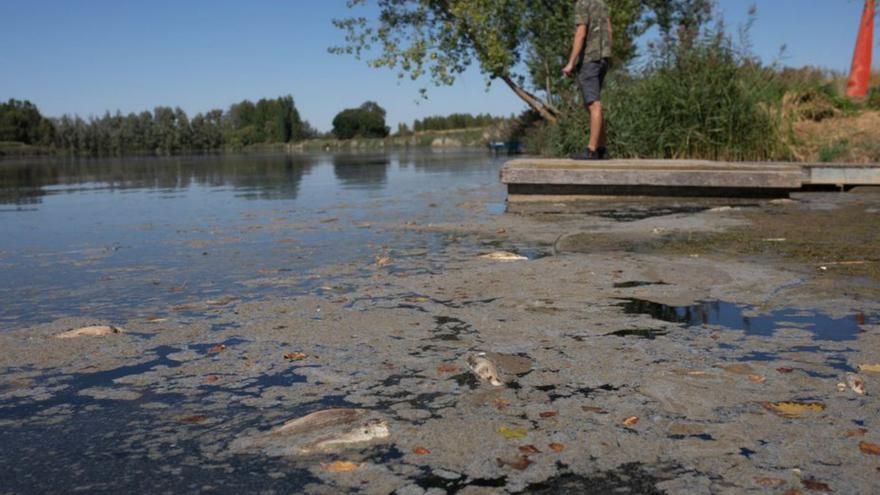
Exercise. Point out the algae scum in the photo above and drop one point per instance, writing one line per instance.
(253, 291)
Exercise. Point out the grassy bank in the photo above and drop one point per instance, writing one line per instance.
(451, 139)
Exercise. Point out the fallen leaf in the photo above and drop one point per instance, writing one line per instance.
(631, 421)
(816, 486)
(770, 482)
(529, 449)
(858, 432)
(512, 433)
(500, 403)
(191, 420)
(793, 410)
(869, 448)
(340, 467)
(383, 261)
(739, 369)
(697, 373)
(556, 447)
(419, 300)
(520, 463)
(217, 349)
(295, 356)
(447, 368)
(421, 451)
(156, 319)
(212, 379)
(593, 409)
(793, 491)
(548, 414)
(758, 378)
(785, 370)
(870, 368)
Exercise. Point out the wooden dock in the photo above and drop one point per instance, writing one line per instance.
(534, 178)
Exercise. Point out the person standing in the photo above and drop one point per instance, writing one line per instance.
(589, 61)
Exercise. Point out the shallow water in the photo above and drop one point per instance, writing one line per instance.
(752, 321)
(96, 237)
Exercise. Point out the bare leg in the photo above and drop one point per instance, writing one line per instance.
(597, 126)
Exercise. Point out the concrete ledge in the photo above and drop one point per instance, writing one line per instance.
(698, 178)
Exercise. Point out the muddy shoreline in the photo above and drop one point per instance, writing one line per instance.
(661, 345)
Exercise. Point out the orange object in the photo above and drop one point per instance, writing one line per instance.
(860, 76)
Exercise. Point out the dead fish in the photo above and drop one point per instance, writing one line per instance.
(503, 256)
(484, 368)
(90, 331)
(319, 420)
(855, 383)
(370, 430)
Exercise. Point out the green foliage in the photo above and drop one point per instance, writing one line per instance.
(165, 130)
(366, 121)
(833, 152)
(455, 121)
(874, 98)
(522, 42)
(696, 98)
(21, 122)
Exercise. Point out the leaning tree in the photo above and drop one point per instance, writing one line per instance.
(521, 42)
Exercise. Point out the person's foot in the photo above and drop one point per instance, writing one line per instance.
(603, 153)
(587, 155)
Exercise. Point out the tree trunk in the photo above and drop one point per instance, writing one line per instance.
(547, 111)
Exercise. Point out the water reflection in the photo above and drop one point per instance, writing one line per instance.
(361, 172)
(267, 177)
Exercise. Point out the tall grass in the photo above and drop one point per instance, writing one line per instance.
(701, 99)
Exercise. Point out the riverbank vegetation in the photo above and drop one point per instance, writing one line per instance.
(269, 125)
(165, 130)
(693, 91)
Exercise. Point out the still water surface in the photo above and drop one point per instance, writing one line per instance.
(103, 237)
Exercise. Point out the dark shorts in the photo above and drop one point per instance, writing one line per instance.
(591, 78)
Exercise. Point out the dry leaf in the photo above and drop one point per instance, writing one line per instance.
(785, 370)
(556, 447)
(870, 368)
(340, 467)
(548, 414)
(770, 482)
(631, 421)
(739, 369)
(793, 410)
(793, 491)
(295, 356)
(869, 448)
(856, 383)
(191, 420)
(217, 349)
(212, 379)
(500, 403)
(858, 432)
(421, 451)
(593, 409)
(512, 433)
(529, 449)
(519, 463)
(758, 378)
(382, 261)
(816, 486)
(447, 368)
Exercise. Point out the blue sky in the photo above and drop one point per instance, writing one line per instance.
(88, 56)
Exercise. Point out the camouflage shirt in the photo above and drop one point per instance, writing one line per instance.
(594, 14)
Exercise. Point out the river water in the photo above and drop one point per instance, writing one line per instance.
(106, 238)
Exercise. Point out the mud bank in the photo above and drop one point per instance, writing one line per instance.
(641, 352)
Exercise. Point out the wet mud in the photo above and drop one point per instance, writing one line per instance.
(636, 357)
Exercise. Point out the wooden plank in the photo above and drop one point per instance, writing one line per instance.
(842, 174)
(689, 176)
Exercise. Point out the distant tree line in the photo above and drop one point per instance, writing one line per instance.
(165, 130)
(365, 121)
(455, 121)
